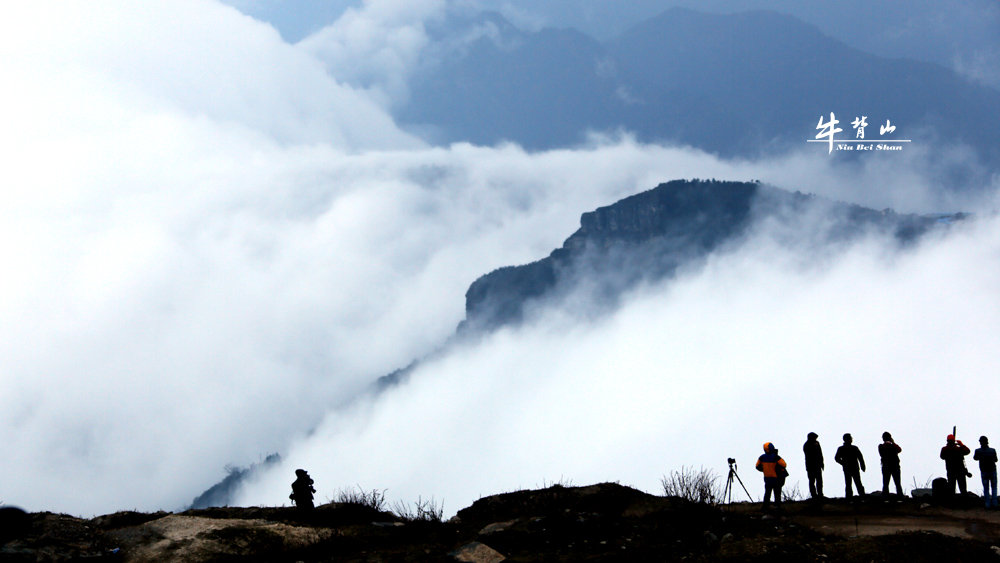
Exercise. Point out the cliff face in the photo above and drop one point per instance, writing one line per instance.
(643, 236)
(646, 237)
(701, 213)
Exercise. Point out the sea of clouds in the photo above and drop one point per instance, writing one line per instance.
(215, 241)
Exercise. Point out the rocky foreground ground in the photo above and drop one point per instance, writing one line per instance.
(605, 522)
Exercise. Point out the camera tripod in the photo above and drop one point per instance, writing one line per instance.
(727, 492)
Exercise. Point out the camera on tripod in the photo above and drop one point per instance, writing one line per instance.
(727, 492)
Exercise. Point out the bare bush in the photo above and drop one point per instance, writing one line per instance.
(563, 482)
(420, 511)
(374, 499)
(792, 494)
(701, 485)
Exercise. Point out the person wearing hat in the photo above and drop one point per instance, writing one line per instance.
(774, 470)
(302, 490)
(814, 465)
(987, 458)
(953, 454)
(889, 451)
(850, 458)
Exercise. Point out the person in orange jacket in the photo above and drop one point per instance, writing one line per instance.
(774, 470)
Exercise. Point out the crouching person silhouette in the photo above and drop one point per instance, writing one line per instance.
(302, 490)
(773, 468)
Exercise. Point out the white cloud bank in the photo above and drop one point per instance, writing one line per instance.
(761, 345)
(376, 45)
(209, 242)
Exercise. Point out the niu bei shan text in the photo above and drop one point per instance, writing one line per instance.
(828, 134)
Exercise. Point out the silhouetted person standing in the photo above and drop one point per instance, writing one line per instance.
(889, 451)
(773, 468)
(814, 465)
(850, 458)
(987, 458)
(302, 490)
(953, 454)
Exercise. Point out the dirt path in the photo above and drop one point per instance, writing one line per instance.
(878, 525)
(842, 519)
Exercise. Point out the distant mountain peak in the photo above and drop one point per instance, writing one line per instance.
(744, 84)
(648, 236)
